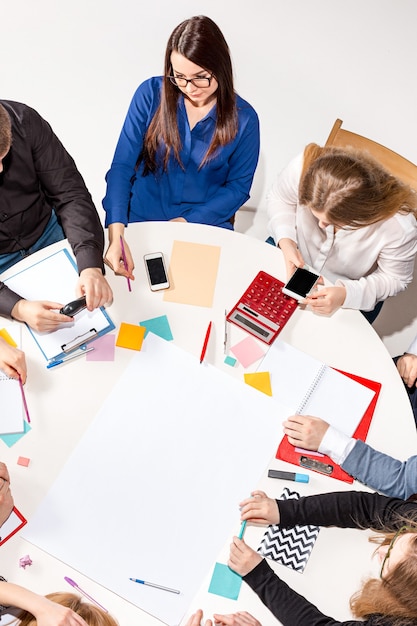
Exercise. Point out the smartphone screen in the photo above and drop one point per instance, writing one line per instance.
(157, 275)
(300, 283)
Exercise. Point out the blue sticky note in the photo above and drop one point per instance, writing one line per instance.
(12, 438)
(225, 582)
(158, 326)
(230, 360)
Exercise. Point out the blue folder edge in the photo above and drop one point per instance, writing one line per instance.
(83, 345)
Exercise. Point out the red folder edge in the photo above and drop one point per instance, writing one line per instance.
(22, 523)
(286, 451)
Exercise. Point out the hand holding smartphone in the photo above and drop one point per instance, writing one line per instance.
(156, 271)
(301, 283)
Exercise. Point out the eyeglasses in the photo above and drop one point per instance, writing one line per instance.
(399, 532)
(202, 83)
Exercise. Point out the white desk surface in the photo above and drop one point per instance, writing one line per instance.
(64, 400)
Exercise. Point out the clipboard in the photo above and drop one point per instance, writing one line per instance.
(319, 462)
(54, 277)
(12, 525)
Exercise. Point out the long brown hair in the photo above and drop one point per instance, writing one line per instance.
(394, 595)
(351, 187)
(93, 615)
(201, 41)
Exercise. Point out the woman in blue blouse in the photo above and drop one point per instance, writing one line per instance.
(189, 145)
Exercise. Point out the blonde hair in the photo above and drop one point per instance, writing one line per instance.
(394, 595)
(93, 615)
(351, 188)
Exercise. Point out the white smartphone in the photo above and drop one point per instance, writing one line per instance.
(155, 268)
(301, 283)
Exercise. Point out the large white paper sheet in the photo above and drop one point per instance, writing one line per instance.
(54, 278)
(305, 385)
(152, 490)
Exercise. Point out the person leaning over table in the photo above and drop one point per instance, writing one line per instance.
(375, 469)
(389, 600)
(6, 498)
(407, 368)
(189, 145)
(55, 609)
(43, 199)
(338, 211)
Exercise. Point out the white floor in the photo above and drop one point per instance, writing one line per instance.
(397, 322)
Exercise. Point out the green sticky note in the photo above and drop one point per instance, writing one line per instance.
(225, 582)
(158, 326)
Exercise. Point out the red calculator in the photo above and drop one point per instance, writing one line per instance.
(263, 310)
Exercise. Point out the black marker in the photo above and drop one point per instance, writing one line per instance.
(298, 478)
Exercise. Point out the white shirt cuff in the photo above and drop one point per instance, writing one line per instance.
(413, 348)
(336, 445)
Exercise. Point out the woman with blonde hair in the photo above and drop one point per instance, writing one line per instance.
(389, 600)
(55, 609)
(341, 213)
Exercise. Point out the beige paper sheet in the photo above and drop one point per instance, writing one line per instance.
(192, 273)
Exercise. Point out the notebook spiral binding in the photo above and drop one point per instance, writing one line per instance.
(311, 389)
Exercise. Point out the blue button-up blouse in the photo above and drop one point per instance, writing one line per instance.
(208, 195)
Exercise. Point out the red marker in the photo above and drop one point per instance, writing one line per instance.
(206, 340)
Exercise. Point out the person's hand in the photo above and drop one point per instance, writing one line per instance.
(305, 431)
(241, 618)
(195, 619)
(259, 509)
(407, 368)
(6, 498)
(178, 219)
(326, 300)
(242, 559)
(49, 613)
(12, 361)
(95, 287)
(292, 256)
(114, 254)
(42, 316)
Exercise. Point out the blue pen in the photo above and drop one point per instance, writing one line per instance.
(68, 358)
(145, 582)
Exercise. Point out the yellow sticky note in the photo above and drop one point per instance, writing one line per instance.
(130, 336)
(261, 381)
(6, 336)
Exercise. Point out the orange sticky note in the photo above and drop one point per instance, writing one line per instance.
(23, 460)
(6, 336)
(130, 336)
(261, 381)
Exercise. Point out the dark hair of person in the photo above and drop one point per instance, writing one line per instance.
(351, 188)
(201, 41)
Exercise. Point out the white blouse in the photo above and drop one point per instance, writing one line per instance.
(372, 262)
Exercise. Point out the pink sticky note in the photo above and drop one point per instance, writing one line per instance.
(103, 349)
(23, 460)
(247, 351)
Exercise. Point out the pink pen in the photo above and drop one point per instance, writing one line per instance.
(24, 400)
(84, 593)
(125, 261)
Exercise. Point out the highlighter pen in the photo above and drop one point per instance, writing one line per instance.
(298, 478)
(145, 582)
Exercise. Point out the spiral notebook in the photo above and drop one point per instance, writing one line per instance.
(305, 385)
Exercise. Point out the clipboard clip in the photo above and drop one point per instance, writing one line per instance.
(313, 464)
(79, 340)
